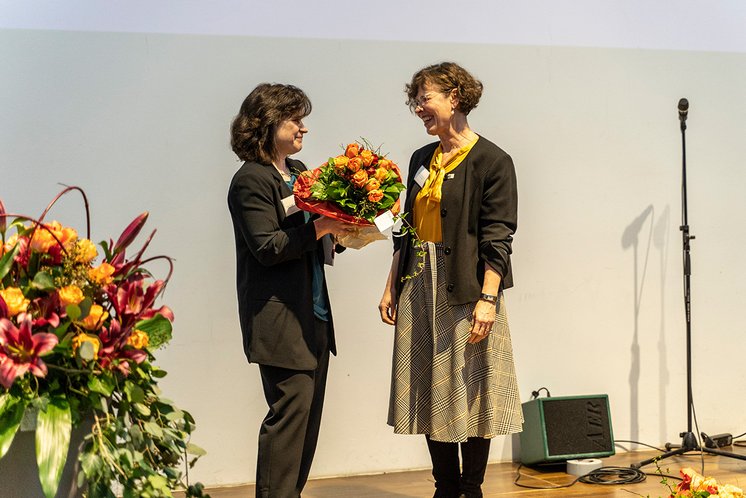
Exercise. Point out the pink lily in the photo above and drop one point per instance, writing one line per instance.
(3, 222)
(114, 352)
(129, 233)
(133, 301)
(20, 351)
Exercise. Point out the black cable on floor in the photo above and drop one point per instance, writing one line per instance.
(613, 475)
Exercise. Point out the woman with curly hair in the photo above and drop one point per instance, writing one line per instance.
(283, 302)
(453, 376)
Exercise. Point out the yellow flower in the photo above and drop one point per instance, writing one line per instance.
(95, 318)
(70, 295)
(367, 157)
(86, 251)
(81, 339)
(138, 339)
(15, 300)
(101, 275)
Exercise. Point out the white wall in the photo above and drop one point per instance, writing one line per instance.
(140, 117)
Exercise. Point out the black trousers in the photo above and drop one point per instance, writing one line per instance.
(454, 479)
(289, 432)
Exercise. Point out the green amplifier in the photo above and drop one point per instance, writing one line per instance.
(565, 428)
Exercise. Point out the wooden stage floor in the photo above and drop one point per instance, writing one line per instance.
(499, 481)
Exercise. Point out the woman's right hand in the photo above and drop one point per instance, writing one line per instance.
(387, 306)
(326, 225)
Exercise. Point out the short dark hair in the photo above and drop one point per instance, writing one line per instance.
(253, 129)
(446, 76)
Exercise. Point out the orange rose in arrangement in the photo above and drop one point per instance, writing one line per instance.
(385, 164)
(340, 163)
(70, 295)
(367, 157)
(101, 275)
(375, 195)
(352, 150)
(14, 300)
(359, 179)
(381, 174)
(138, 339)
(372, 184)
(302, 187)
(42, 240)
(355, 164)
(95, 318)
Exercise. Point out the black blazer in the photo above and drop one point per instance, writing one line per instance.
(274, 270)
(479, 215)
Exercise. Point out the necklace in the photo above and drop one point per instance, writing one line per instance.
(284, 172)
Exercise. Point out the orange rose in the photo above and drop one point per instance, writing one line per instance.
(138, 339)
(352, 150)
(14, 299)
(372, 184)
(375, 195)
(359, 179)
(102, 274)
(95, 318)
(340, 162)
(42, 241)
(367, 157)
(381, 174)
(355, 164)
(384, 163)
(70, 295)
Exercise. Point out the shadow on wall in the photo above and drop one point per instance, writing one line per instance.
(643, 233)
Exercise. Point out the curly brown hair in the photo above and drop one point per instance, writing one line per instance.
(446, 76)
(253, 129)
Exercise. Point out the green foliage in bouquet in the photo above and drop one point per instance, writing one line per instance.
(77, 344)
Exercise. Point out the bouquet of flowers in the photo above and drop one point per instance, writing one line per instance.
(695, 485)
(77, 340)
(355, 187)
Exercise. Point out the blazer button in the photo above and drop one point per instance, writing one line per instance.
(443, 212)
(447, 251)
(449, 287)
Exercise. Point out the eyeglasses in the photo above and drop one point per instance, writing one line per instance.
(421, 101)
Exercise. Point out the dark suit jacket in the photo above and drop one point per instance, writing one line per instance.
(479, 213)
(274, 262)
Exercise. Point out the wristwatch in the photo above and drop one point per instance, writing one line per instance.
(488, 297)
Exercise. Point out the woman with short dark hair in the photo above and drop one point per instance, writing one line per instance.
(453, 375)
(283, 302)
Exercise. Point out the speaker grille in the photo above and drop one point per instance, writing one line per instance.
(577, 426)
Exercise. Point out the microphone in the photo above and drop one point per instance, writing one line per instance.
(683, 109)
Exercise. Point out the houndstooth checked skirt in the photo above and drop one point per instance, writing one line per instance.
(441, 385)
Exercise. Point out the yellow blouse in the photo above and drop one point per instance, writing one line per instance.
(427, 203)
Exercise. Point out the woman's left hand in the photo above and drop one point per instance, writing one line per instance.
(482, 321)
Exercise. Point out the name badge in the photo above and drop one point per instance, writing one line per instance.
(289, 204)
(421, 176)
(450, 176)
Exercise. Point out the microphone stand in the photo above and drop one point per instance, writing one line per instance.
(688, 439)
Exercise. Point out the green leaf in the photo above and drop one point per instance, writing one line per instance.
(73, 311)
(141, 409)
(11, 413)
(193, 449)
(101, 384)
(158, 329)
(7, 261)
(43, 281)
(52, 440)
(153, 429)
(134, 392)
